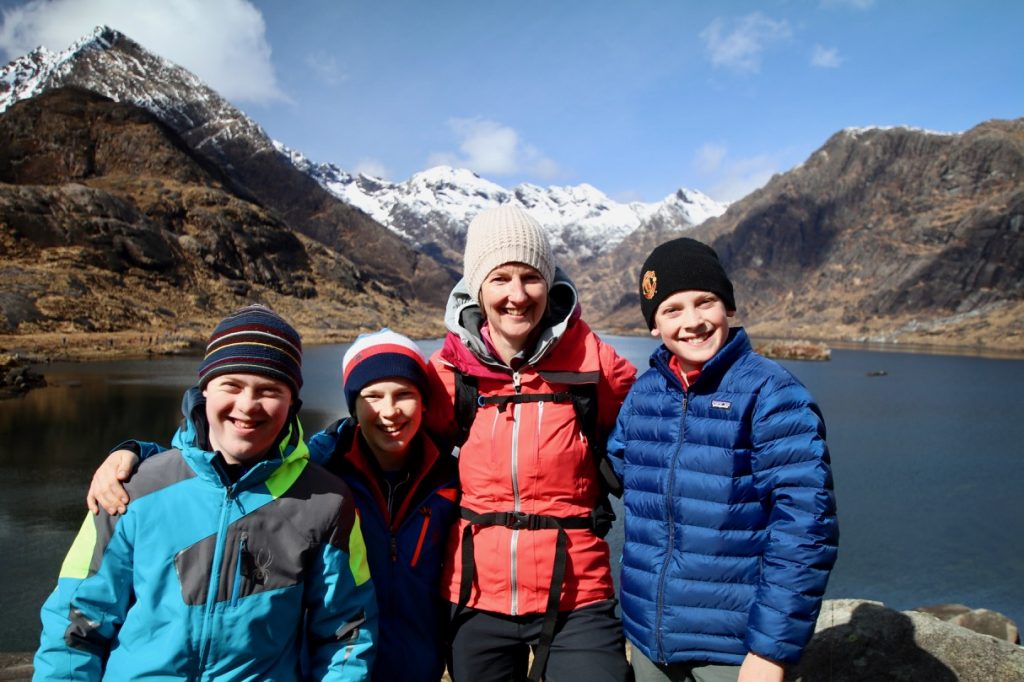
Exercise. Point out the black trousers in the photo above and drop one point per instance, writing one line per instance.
(492, 647)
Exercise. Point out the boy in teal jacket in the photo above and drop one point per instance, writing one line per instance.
(239, 559)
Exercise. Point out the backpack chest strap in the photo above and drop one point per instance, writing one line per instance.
(503, 401)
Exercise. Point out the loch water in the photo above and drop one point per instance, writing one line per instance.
(927, 452)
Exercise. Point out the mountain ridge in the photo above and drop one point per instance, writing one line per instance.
(895, 235)
(581, 221)
(885, 235)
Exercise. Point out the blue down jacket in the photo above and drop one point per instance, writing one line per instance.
(204, 579)
(405, 552)
(730, 523)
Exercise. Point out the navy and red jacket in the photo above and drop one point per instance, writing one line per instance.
(405, 550)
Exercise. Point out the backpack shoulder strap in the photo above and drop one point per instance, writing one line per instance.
(467, 392)
(584, 401)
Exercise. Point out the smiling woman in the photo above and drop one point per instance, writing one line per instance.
(518, 364)
(514, 298)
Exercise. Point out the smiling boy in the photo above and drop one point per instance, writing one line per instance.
(406, 491)
(730, 529)
(237, 557)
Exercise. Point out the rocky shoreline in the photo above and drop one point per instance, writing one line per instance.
(17, 377)
(858, 640)
(794, 349)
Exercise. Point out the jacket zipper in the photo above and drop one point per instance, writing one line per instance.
(423, 535)
(205, 636)
(517, 503)
(243, 546)
(669, 495)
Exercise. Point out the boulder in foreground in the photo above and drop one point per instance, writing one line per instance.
(858, 640)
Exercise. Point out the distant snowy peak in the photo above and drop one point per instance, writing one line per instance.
(580, 219)
(690, 206)
(111, 64)
(856, 132)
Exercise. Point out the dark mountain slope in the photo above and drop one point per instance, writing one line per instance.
(109, 222)
(883, 234)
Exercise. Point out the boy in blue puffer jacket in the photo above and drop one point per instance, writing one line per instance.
(239, 559)
(730, 528)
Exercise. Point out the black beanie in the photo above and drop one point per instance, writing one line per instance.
(682, 264)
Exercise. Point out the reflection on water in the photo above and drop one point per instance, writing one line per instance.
(928, 461)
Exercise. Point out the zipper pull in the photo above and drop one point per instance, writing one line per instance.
(517, 382)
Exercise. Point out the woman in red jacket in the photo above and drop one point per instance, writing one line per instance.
(526, 566)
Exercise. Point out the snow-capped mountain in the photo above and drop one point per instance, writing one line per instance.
(433, 207)
(131, 73)
(430, 211)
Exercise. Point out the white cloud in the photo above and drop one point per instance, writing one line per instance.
(325, 68)
(826, 57)
(740, 46)
(855, 4)
(222, 42)
(732, 179)
(710, 157)
(491, 148)
(373, 168)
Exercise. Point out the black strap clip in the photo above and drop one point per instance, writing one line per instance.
(518, 520)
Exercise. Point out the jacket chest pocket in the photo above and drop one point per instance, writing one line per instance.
(258, 561)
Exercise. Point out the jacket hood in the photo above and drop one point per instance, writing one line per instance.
(463, 318)
(192, 438)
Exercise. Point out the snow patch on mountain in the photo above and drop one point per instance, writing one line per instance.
(580, 220)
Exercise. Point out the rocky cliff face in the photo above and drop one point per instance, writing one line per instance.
(110, 221)
(882, 234)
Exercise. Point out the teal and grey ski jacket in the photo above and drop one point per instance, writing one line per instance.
(264, 578)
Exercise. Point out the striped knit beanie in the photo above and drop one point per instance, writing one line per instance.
(254, 340)
(505, 234)
(382, 355)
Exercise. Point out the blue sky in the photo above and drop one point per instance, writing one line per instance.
(636, 98)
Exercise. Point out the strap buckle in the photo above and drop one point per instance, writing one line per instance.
(517, 520)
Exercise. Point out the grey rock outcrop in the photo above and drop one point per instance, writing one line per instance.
(985, 621)
(861, 641)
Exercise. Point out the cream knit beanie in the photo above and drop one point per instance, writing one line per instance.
(505, 234)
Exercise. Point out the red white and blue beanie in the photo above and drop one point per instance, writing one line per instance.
(254, 340)
(382, 355)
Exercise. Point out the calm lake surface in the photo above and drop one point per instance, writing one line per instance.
(928, 462)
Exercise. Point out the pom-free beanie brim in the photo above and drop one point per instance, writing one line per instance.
(378, 356)
(254, 340)
(505, 234)
(682, 264)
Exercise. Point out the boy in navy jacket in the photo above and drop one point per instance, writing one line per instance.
(730, 529)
